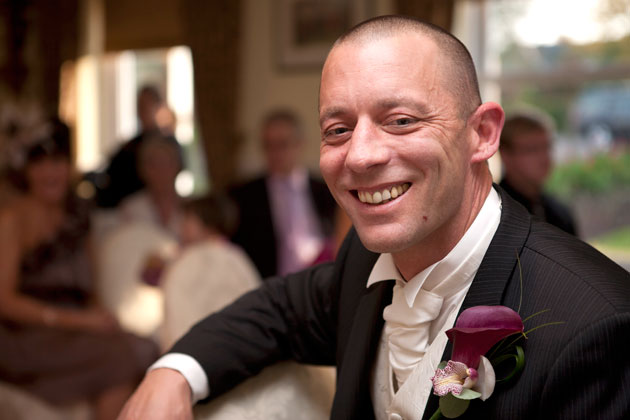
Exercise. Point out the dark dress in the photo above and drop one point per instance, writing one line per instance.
(63, 366)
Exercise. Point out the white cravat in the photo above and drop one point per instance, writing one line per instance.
(423, 308)
(407, 328)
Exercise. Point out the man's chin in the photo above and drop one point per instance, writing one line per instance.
(382, 244)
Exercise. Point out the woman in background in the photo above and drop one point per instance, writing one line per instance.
(57, 342)
(157, 203)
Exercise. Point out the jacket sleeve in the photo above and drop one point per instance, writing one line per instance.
(590, 378)
(287, 317)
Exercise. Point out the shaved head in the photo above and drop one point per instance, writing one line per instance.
(457, 64)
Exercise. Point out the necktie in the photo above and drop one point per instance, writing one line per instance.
(407, 329)
(298, 240)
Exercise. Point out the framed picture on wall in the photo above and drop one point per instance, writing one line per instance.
(305, 29)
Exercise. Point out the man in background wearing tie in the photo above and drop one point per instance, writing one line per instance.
(404, 150)
(287, 215)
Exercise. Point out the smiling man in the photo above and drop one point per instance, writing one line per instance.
(405, 140)
(393, 127)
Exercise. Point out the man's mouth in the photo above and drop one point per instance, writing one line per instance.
(384, 196)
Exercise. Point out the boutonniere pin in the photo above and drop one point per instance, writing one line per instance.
(469, 374)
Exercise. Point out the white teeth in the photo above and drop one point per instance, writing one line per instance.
(383, 196)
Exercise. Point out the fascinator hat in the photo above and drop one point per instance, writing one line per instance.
(55, 143)
(27, 135)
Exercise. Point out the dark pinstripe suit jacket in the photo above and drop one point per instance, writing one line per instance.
(325, 315)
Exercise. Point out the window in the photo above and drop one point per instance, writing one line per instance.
(105, 109)
(570, 59)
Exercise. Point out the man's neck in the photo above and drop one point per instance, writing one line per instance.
(439, 243)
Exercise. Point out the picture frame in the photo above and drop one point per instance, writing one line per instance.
(306, 29)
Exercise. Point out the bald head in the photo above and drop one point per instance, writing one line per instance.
(456, 63)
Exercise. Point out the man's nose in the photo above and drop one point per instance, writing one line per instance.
(367, 148)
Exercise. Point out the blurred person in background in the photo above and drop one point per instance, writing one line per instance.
(286, 215)
(58, 343)
(20, 121)
(525, 149)
(210, 271)
(157, 202)
(211, 218)
(121, 177)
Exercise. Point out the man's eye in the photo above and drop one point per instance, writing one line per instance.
(403, 121)
(337, 131)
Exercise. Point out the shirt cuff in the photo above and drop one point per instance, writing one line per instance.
(190, 369)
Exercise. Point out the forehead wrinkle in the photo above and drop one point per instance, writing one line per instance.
(392, 103)
(331, 112)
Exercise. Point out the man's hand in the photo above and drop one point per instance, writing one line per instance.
(164, 394)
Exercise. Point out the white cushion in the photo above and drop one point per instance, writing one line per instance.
(203, 279)
(121, 258)
(284, 391)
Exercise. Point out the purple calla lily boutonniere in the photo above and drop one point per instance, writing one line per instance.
(469, 374)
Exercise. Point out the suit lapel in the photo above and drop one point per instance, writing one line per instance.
(359, 333)
(500, 260)
(497, 267)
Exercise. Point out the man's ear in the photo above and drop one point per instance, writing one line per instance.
(486, 124)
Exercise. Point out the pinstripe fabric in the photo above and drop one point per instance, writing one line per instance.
(574, 370)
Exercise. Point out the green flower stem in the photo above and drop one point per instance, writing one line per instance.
(437, 415)
(543, 325)
(498, 347)
(519, 363)
(502, 342)
(520, 280)
(536, 314)
(524, 334)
